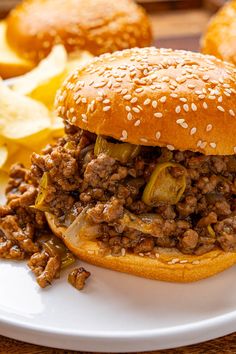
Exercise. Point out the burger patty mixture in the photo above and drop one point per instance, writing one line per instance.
(157, 198)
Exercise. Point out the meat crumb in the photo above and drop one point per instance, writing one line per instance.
(77, 278)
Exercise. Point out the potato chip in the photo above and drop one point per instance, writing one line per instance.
(42, 82)
(22, 118)
(3, 183)
(49, 68)
(3, 155)
(21, 155)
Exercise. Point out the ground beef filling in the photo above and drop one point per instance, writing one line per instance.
(202, 219)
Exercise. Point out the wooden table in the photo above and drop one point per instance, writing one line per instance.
(181, 29)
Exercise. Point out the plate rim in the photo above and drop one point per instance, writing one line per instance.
(153, 339)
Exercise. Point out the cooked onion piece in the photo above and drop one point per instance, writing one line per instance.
(43, 186)
(122, 152)
(163, 186)
(144, 223)
(81, 228)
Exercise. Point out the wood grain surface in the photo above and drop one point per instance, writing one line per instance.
(223, 345)
(177, 29)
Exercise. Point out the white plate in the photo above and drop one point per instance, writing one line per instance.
(116, 312)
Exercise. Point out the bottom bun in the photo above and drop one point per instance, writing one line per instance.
(169, 265)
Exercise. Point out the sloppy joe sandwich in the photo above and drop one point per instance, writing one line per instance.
(144, 180)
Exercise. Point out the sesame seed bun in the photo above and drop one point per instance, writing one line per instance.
(157, 97)
(10, 63)
(220, 36)
(98, 26)
(168, 264)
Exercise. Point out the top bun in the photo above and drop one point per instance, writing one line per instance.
(158, 97)
(220, 36)
(98, 26)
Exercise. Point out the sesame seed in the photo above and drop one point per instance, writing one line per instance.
(205, 105)
(124, 135)
(84, 100)
(193, 131)
(124, 91)
(106, 101)
(231, 112)
(191, 86)
(127, 97)
(137, 123)
(106, 108)
(147, 101)
(178, 109)
(158, 135)
(163, 99)
(144, 140)
(220, 108)
(99, 84)
(154, 104)
(158, 115)
(170, 147)
(209, 127)
(173, 95)
(175, 260)
(165, 79)
(213, 145)
(134, 100)
(201, 144)
(184, 125)
(84, 117)
(206, 77)
(100, 93)
(180, 121)
(129, 116)
(220, 99)
(72, 110)
(138, 90)
(136, 109)
(194, 107)
(183, 99)
(212, 97)
(73, 120)
(186, 107)
(183, 261)
(127, 108)
(201, 97)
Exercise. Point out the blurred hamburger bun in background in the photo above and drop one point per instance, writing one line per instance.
(220, 36)
(97, 26)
